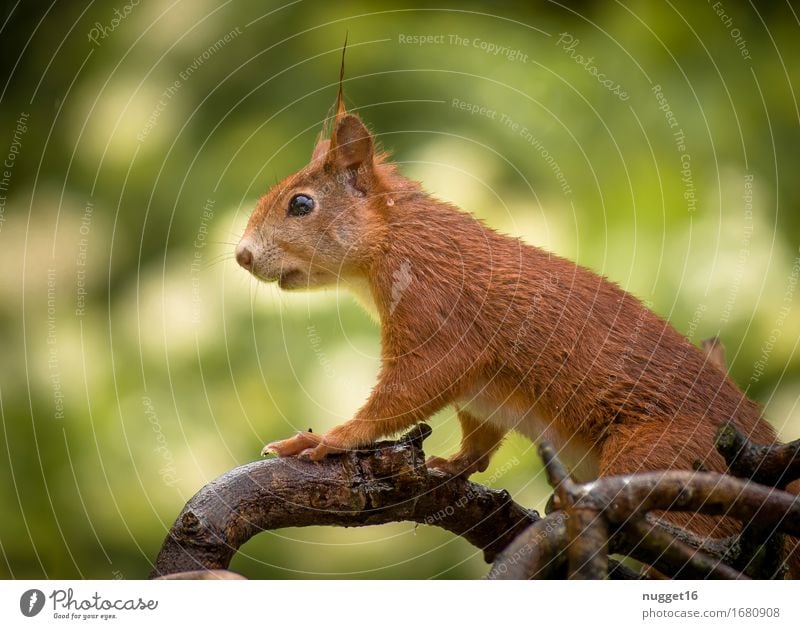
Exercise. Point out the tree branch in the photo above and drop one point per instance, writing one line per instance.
(610, 515)
(775, 465)
(620, 497)
(537, 553)
(650, 543)
(388, 483)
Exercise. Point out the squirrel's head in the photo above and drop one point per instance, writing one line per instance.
(323, 223)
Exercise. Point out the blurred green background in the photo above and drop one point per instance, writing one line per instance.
(137, 362)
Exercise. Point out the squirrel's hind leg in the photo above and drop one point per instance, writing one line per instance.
(479, 441)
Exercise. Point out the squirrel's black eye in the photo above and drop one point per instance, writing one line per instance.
(300, 205)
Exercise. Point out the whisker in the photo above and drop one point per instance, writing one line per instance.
(212, 264)
(222, 254)
(217, 260)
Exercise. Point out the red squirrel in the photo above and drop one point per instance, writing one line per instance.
(512, 336)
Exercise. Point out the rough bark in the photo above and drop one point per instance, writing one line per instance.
(773, 465)
(388, 483)
(587, 521)
(537, 553)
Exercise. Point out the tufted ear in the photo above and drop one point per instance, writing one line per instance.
(351, 145)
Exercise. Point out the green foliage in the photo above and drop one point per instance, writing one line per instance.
(146, 150)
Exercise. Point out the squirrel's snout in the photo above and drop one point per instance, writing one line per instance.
(244, 257)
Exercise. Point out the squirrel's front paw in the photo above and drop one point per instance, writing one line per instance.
(293, 445)
(319, 452)
(306, 445)
(458, 465)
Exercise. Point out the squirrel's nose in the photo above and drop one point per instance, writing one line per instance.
(244, 257)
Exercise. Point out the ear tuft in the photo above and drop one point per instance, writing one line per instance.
(320, 150)
(351, 143)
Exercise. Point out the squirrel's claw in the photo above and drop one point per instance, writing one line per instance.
(306, 445)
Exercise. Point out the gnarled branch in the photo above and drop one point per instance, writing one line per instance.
(609, 515)
(775, 465)
(388, 483)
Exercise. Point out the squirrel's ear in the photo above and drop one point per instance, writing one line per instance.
(351, 145)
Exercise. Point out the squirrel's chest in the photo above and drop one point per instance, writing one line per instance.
(510, 408)
(360, 289)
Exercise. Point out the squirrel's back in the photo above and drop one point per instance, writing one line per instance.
(592, 356)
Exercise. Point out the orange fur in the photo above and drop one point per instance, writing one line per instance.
(515, 337)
